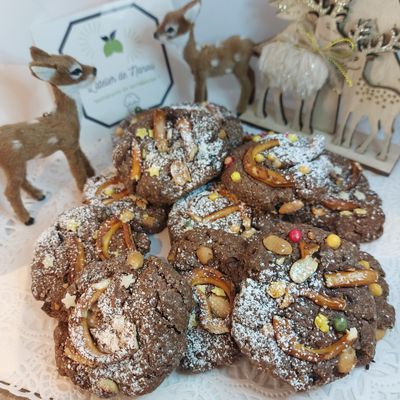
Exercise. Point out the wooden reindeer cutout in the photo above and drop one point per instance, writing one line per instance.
(296, 62)
(58, 130)
(232, 56)
(380, 104)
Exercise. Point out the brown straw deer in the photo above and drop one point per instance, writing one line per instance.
(380, 104)
(232, 56)
(58, 130)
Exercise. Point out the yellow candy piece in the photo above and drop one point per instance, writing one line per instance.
(365, 264)
(271, 157)
(256, 138)
(213, 196)
(235, 176)
(304, 169)
(375, 289)
(259, 158)
(141, 133)
(154, 171)
(108, 191)
(72, 225)
(333, 241)
(293, 138)
(322, 323)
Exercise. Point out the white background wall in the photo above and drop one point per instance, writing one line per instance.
(218, 19)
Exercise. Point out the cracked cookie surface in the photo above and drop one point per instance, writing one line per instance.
(167, 152)
(109, 192)
(79, 236)
(308, 311)
(211, 261)
(126, 328)
(297, 180)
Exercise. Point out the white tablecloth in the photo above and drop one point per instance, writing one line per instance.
(26, 346)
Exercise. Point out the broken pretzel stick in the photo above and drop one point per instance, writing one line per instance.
(362, 277)
(264, 175)
(287, 343)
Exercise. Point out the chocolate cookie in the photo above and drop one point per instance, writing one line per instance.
(229, 122)
(79, 236)
(211, 207)
(110, 192)
(171, 151)
(308, 312)
(350, 208)
(212, 248)
(295, 178)
(211, 260)
(126, 328)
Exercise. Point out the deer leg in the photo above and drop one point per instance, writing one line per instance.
(77, 166)
(252, 77)
(261, 97)
(32, 190)
(308, 109)
(340, 129)
(88, 167)
(15, 178)
(277, 113)
(200, 91)
(295, 123)
(241, 73)
(387, 126)
(371, 137)
(349, 129)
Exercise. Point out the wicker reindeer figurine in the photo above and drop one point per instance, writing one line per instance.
(293, 61)
(231, 56)
(58, 130)
(379, 103)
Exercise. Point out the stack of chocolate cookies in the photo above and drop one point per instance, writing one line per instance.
(264, 260)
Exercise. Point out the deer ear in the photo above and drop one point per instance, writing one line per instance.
(43, 73)
(192, 12)
(38, 54)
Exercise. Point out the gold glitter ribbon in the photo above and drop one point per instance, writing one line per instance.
(337, 52)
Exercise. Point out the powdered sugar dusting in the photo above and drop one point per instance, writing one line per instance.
(198, 203)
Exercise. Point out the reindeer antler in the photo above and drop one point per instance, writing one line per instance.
(290, 9)
(318, 6)
(335, 8)
(340, 8)
(387, 42)
(364, 30)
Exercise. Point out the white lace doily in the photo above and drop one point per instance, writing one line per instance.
(27, 354)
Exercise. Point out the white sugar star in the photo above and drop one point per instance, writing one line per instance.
(69, 301)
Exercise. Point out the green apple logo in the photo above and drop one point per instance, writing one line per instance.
(111, 44)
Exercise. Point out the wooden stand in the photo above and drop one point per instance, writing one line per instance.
(367, 159)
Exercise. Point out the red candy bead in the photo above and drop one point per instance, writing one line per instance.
(295, 235)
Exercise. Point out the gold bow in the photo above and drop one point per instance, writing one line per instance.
(337, 52)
